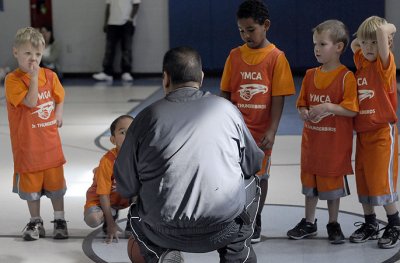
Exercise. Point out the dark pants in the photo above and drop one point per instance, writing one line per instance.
(119, 34)
(235, 238)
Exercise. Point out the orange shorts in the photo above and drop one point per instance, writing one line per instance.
(325, 187)
(263, 174)
(377, 166)
(49, 182)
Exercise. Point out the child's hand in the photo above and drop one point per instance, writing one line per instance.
(267, 141)
(112, 233)
(317, 111)
(304, 114)
(59, 120)
(34, 69)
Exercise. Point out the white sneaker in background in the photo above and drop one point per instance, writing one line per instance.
(127, 77)
(102, 77)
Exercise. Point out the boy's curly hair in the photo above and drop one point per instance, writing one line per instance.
(255, 9)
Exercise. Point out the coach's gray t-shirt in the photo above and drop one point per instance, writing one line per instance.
(186, 157)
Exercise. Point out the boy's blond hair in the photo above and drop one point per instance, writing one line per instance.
(367, 29)
(338, 31)
(29, 35)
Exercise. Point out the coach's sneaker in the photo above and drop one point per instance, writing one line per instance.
(335, 234)
(390, 237)
(33, 230)
(60, 229)
(257, 230)
(171, 256)
(303, 229)
(364, 232)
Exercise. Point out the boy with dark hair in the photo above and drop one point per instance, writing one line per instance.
(102, 199)
(256, 79)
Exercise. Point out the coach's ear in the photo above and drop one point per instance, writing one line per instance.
(166, 82)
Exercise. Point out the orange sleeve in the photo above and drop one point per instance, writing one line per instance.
(389, 73)
(301, 100)
(282, 80)
(226, 76)
(350, 98)
(59, 92)
(103, 176)
(15, 90)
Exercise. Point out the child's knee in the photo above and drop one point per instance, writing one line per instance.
(94, 219)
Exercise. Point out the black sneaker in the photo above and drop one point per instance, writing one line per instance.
(171, 256)
(390, 237)
(257, 230)
(335, 234)
(60, 229)
(364, 232)
(303, 229)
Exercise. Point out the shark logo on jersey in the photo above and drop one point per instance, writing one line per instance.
(365, 94)
(44, 110)
(322, 116)
(247, 91)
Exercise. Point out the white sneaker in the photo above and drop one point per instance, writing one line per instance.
(33, 230)
(127, 77)
(102, 77)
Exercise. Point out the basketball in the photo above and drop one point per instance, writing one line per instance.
(134, 251)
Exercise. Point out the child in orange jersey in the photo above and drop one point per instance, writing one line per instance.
(377, 141)
(102, 199)
(327, 103)
(256, 79)
(35, 100)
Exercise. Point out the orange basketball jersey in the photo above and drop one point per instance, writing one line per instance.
(104, 183)
(377, 93)
(326, 145)
(35, 140)
(252, 85)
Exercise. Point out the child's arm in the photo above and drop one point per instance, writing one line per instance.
(225, 94)
(59, 113)
(112, 228)
(384, 38)
(31, 97)
(323, 108)
(355, 45)
(277, 104)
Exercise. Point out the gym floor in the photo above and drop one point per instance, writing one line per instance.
(89, 109)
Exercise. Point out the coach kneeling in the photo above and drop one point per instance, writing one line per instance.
(191, 160)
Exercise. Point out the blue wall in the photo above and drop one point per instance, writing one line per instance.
(210, 26)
